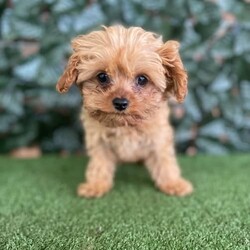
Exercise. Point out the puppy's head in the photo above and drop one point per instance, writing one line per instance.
(125, 75)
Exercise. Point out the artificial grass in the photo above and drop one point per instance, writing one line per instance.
(40, 210)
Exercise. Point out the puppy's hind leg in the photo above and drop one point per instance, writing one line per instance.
(99, 175)
(165, 172)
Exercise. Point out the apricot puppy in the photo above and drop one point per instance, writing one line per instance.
(125, 76)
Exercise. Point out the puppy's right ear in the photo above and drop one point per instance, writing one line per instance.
(69, 75)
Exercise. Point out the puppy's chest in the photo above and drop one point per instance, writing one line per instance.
(129, 145)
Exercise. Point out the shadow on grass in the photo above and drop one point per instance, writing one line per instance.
(133, 175)
(70, 173)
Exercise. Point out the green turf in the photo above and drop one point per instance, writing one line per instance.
(39, 208)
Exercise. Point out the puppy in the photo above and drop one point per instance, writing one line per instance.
(125, 76)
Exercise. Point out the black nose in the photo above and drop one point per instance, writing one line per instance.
(120, 104)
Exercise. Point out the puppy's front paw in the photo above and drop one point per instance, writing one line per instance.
(179, 187)
(93, 189)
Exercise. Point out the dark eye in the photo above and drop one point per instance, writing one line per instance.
(141, 80)
(103, 78)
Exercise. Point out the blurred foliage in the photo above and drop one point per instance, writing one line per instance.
(35, 38)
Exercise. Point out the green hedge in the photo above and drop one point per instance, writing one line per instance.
(34, 46)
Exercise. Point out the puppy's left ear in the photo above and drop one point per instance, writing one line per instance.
(69, 75)
(176, 75)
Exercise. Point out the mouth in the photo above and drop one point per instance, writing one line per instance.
(116, 119)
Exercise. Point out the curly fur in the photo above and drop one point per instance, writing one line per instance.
(141, 132)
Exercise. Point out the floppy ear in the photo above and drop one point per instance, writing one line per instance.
(175, 73)
(69, 75)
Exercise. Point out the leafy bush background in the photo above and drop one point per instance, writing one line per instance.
(34, 46)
